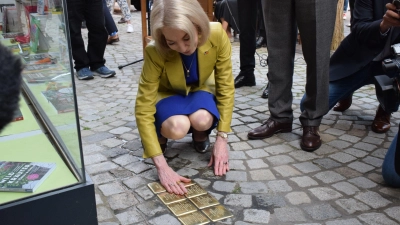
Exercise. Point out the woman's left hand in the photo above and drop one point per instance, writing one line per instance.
(220, 157)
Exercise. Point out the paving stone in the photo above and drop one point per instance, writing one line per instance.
(236, 165)
(257, 153)
(138, 167)
(103, 213)
(279, 160)
(344, 222)
(355, 152)
(304, 181)
(120, 130)
(279, 186)
(135, 182)
(339, 144)
(346, 188)
(347, 172)
(307, 167)
(239, 146)
(97, 137)
(238, 200)
(303, 156)
(352, 206)
(114, 152)
(253, 187)
(286, 171)
(202, 182)
(342, 157)
(224, 186)
(362, 182)
(187, 172)
(101, 167)
(264, 174)
(102, 178)
(91, 148)
(360, 167)
(365, 146)
(270, 201)
(329, 177)
(393, 212)
(99, 201)
(129, 217)
(376, 218)
(122, 201)
(372, 199)
(290, 214)
(327, 163)
(278, 149)
(111, 188)
(256, 216)
(111, 142)
(256, 164)
(125, 159)
(144, 192)
(322, 212)
(152, 208)
(324, 193)
(373, 161)
(297, 198)
(236, 176)
(237, 155)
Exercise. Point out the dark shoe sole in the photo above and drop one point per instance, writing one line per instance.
(310, 149)
(104, 75)
(248, 84)
(287, 130)
(112, 41)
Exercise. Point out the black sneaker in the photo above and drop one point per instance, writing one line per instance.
(84, 74)
(245, 80)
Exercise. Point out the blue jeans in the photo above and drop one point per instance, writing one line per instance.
(343, 88)
(346, 3)
(388, 170)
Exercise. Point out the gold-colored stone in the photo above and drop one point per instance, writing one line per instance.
(204, 201)
(182, 207)
(187, 184)
(156, 187)
(168, 198)
(196, 218)
(195, 190)
(217, 212)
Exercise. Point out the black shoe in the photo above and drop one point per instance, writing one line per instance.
(260, 42)
(245, 80)
(265, 92)
(201, 146)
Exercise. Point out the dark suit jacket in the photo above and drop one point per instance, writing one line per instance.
(364, 42)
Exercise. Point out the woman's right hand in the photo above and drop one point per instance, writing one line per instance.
(170, 179)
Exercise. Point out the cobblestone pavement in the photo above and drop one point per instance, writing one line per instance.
(272, 181)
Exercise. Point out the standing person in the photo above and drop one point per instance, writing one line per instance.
(315, 21)
(247, 14)
(186, 86)
(126, 12)
(345, 5)
(90, 62)
(110, 25)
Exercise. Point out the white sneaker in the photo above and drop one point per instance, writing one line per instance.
(130, 28)
(344, 16)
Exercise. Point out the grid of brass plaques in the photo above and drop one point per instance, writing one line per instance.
(196, 207)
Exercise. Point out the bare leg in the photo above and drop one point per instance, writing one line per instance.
(201, 121)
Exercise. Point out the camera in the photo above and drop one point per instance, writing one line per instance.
(388, 88)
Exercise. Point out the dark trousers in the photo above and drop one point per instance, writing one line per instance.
(92, 12)
(109, 21)
(247, 11)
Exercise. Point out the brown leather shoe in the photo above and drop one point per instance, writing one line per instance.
(381, 123)
(269, 128)
(112, 39)
(343, 104)
(311, 140)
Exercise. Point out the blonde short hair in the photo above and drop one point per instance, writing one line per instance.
(181, 15)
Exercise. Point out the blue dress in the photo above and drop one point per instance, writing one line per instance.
(186, 105)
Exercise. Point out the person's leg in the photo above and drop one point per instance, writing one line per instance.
(281, 44)
(201, 121)
(75, 18)
(97, 36)
(126, 12)
(109, 21)
(316, 21)
(388, 167)
(175, 127)
(247, 25)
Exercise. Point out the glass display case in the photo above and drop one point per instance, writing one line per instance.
(46, 126)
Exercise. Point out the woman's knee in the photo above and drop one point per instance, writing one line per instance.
(175, 127)
(201, 120)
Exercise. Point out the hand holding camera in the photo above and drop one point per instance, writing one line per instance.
(391, 17)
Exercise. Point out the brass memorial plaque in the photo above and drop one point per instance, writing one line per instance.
(187, 184)
(156, 187)
(182, 207)
(204, 201)
(168, 198)
(217, 212)
(196, 218)
(195, 190)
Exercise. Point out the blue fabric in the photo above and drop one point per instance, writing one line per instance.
(190, 62)
(388, 168)
(186, 105)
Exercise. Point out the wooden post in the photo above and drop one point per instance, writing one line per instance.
(338, 33)
(144, 23)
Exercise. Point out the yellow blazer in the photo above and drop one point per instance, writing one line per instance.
(164, 77)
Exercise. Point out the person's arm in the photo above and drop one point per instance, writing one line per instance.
(224, 91)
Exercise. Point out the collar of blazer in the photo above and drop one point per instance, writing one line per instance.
(206, 56)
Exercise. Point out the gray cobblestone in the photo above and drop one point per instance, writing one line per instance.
(306, 167)
(122, 201)
(322, 212)
(111, 188)
(352, 206)
(279, 186)
(372, 199)
(264, 174)
(329, 177)
(129, 217)
(376, 218)
(257, 153)
(289, 214)
(224, 186)
(304, 181)
(346, 188)
(362, 182)
(238, 200)
(324, 194)
(360, 167)
(256, 216)
(297, 198)
(253, 187)
(344, 222)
